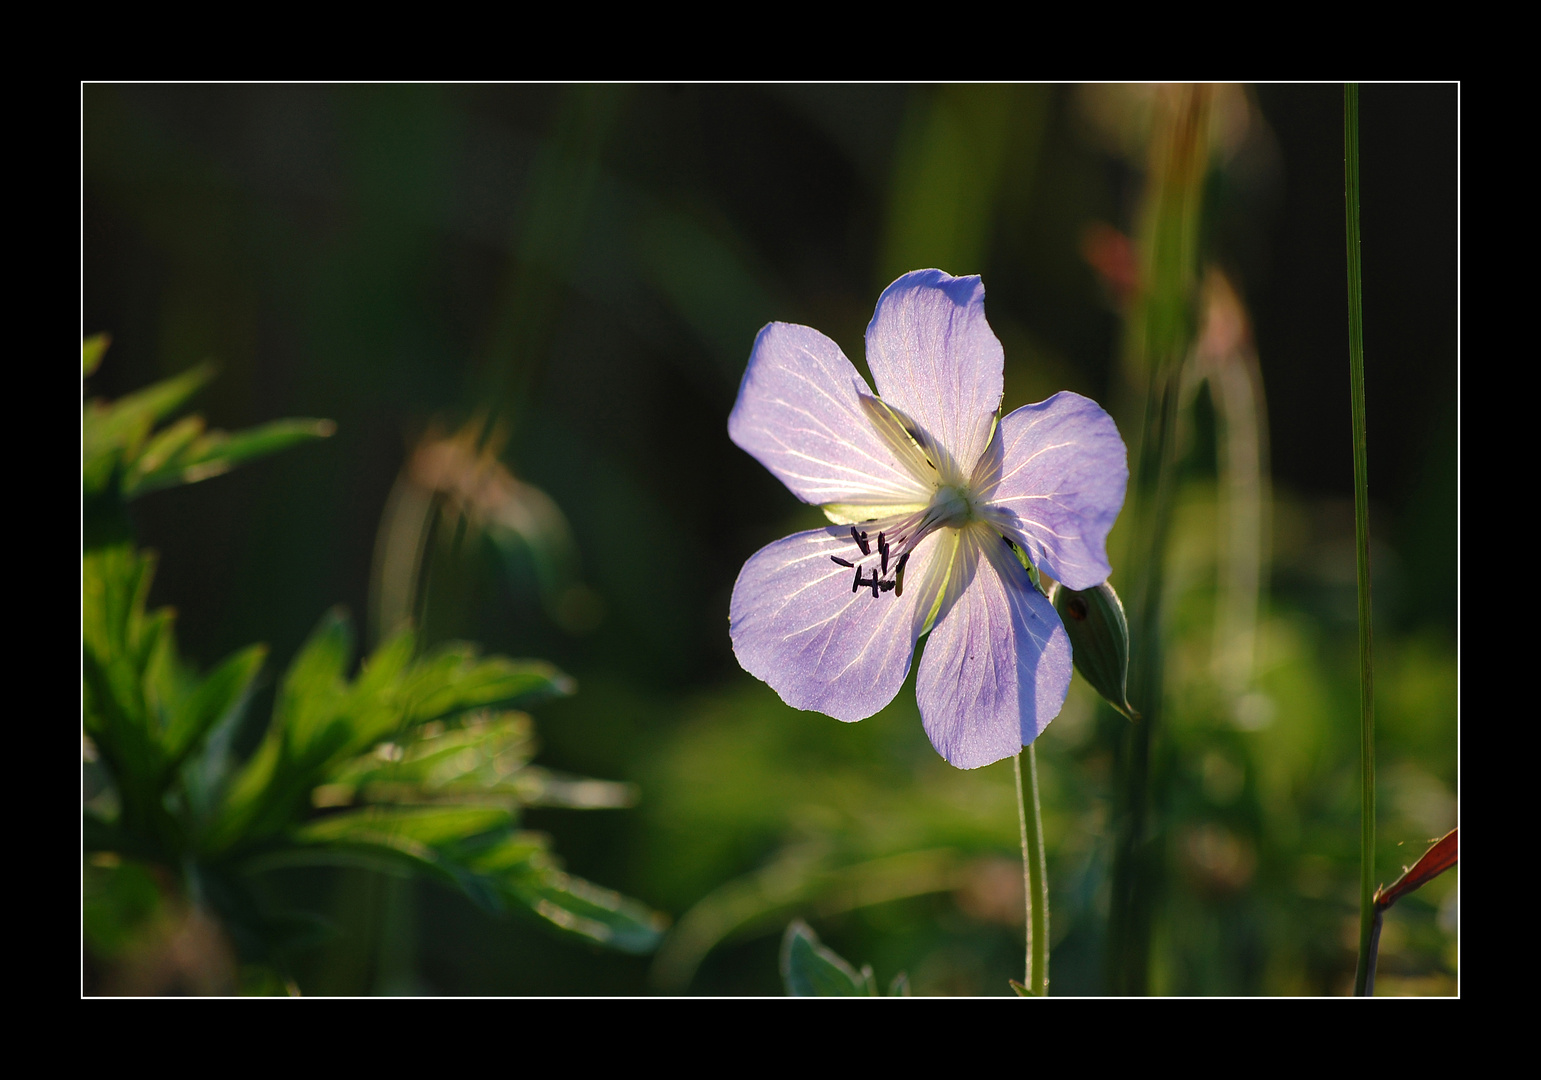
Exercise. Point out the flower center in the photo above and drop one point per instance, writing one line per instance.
(952, 507)
(885, 544)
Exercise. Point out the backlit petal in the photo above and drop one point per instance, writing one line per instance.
(797, 624)
(799, 414)
(935, 359)
(1054, 481)
(997, 666)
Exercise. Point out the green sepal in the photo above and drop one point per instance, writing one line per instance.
(1099, 640)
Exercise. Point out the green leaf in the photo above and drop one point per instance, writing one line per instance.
(184, 455)
(165, 447)
(92, 349)
(580, 907)
(810, 969)
(484, 760)
(212, 702)
(118, 429)
(426, 826)
(314, 687)
(118, 643)
(121, 460)
(453, 680)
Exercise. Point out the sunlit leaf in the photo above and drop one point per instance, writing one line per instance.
(182, 455)
(118, 428)
(455, 680)
(484, 759)
(583, 908)
(426, 826)
(91, 352)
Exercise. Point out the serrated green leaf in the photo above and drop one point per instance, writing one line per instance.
(314, 687)
(485, 759)
(117, 642)
(441, 843)
(514, 852)
(431, 827)
(211, 702)
(448, 688)
(163, 451)
(810, 969)
(187, 460)
(118, 429)
(583, 908)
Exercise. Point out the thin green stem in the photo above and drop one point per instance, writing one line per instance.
(1035, 876)
(1363, 979)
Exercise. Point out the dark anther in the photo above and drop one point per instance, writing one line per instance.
(883, 551)
(861, 540)
(886, 586)
(875, 584)
(1007, 541)
(842, 562)
(857, 583)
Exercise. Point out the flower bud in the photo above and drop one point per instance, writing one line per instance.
(1099, 640)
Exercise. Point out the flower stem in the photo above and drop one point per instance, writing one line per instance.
(1363, 979)
(1035, 877)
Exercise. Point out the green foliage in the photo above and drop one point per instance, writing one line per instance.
(415, 765)
(810, 969)
(124, 456)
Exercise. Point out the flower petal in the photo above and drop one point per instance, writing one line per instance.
(1054, 481)
(797, 624)
(997, 666)
(799, 414)
(934, 358)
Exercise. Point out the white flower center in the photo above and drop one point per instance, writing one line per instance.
(952, 507)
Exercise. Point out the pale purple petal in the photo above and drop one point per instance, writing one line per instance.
(798, 413)
(796, 623)
(997, 666)
(934, 357)
(1054, 481)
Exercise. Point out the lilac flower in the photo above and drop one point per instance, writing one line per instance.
(932, 495)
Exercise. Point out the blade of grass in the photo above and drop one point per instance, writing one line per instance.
(1158, 340)
(1367, 920)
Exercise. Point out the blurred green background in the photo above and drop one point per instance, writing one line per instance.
(573, 276)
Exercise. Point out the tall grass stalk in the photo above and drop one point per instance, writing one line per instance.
(1367, 918)
(1159, 339)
